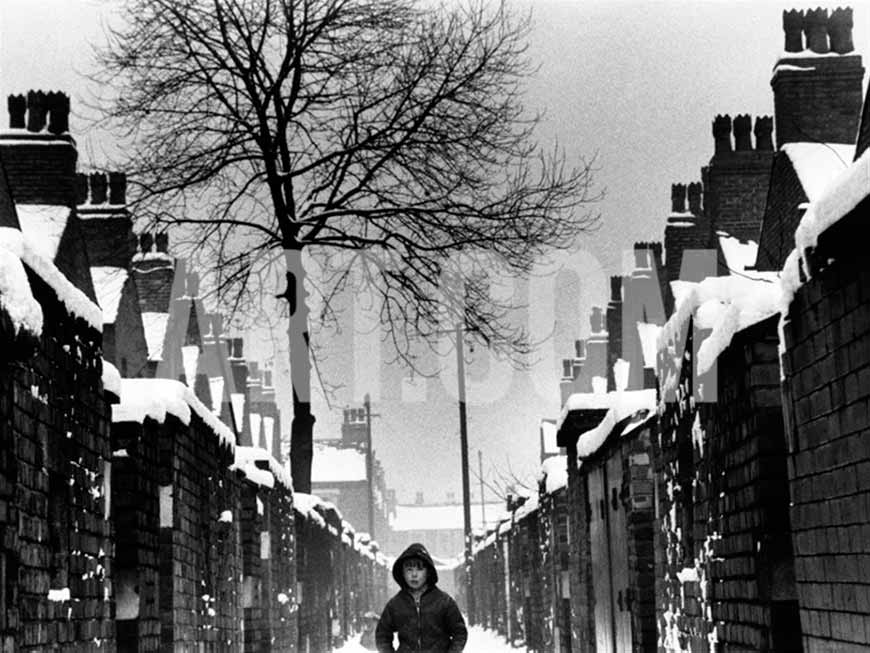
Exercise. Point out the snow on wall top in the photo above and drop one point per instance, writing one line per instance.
(108, 284)
(336, 465)
(444, 517)
(155, 325)
(583, 401)
(15, 296)
(726, 305)
(817, 164)
(154, 398)
(43, 225)
(555, 472)
(846, 190)
(622, 405)
(76, 302)
(249, 455)
(111, 378)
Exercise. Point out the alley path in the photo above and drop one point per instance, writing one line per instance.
(479, 641)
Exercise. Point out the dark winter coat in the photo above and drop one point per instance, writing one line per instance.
(435, 626)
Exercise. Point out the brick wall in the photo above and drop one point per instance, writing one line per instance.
(54, 478)
(826, 393)
(40, 167)
(736, 191)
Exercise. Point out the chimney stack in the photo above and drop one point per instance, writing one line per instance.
(98, 188)
(792, 25)
(36, 111)
(57, 104)
(721, 134)
(742, 129)
(678, 198)
(193, 284)
(117, 188)
(238, 348)
(596, 319)
(579, 349)
(161, 242)
(217, 324)
(816, 30)
(81, 188)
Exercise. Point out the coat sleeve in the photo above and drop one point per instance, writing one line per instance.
(456, 626)
(384, 631)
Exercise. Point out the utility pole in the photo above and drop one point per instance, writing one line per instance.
(466, 491)
(367, 403)
(482, 500)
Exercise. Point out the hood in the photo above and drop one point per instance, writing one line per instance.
(416, 550)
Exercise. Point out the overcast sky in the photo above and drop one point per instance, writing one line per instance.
(635, 83)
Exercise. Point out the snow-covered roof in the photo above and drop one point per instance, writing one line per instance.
(529, 506)
(154, 398)
(548, 433)
(726, 305)
(555, 472)
(596, 400)
(444, 517)
(108, 285)
(43, 225)
(817, 164)
(337, 465)
(247, 456)
(622, 405)
(111, 378)
(304, 504)
(15, 296)
(154, 324)
(20, 246)
(848, 188)
(739, 254)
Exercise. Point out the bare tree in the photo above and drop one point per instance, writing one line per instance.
(391, 132)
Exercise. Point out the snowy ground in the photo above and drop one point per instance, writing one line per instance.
(479, 641)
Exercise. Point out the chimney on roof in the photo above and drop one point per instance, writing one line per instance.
(238, 348)
(146, 241)
(694, 194)
(596, 319)
(742, 129)
(616, 288)
(579, 349)
(792, 25)
(36, 111)
(840, 30)
(57, 104)
(161, 242)
(721, 134)
(418, 499)
(764, 134)
(816, 30)
(17, 105)
(117, 188)
(678, 198)
(217, 324)
(98, 188)
(81, 188)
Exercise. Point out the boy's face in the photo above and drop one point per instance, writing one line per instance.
(414, 572)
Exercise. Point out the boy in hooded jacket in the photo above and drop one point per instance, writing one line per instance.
(425, 618)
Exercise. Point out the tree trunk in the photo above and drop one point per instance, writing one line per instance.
(302, 427)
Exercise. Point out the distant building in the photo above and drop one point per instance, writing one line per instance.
(340, 474)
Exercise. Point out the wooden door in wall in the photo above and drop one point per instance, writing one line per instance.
(601, 573)
(619, 571)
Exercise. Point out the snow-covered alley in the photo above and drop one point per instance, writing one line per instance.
(479, 641)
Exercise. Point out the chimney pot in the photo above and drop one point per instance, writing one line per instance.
(616, 288)
(722, 134)
(161, 241)
(81, 188)
(694, 195)
(840, 30)
(217, 324)
(816, 30)
(567, 368)
(253, 369)
(146, 240)
(36, 110)
(98, 188)
(57, 104)
(17, 105)
(596, 320)
(678, 198)
(418, 499)
(792, 24)
(267, 378)
(580, 349)
(347, 415)
(117, 188)
(742, 131)
(764, 134)
(238, 348)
